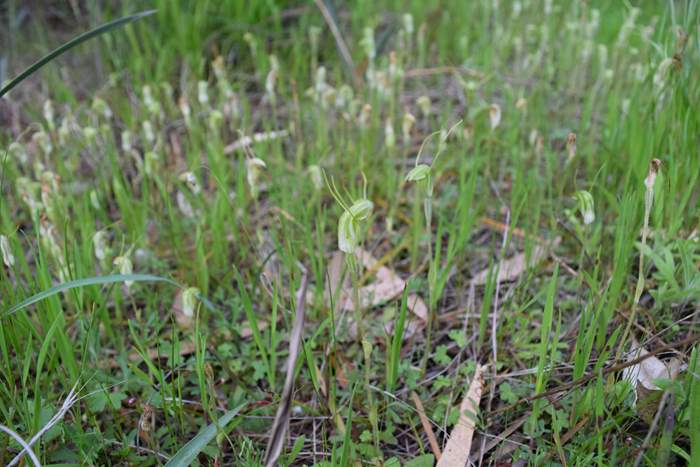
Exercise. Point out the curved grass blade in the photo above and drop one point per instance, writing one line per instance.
(189, 451)
(97, 280)
(70, 44)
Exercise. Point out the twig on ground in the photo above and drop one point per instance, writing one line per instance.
(652, 428)
(25, 446)
(611, 369)
(67, 404)
(279, 428)
(434, 446)
(338, 36)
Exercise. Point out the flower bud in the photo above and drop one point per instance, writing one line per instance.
(494, 116)
(584, 201)
(125, 266)
(99, 243)
(189, 301)
(7, 256)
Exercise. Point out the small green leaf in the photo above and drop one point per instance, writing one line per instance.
(426, 460)
(189, 451)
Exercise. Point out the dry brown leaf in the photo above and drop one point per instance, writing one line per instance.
(642, 377)
(456, 453)
(386, 286)
(514, 266)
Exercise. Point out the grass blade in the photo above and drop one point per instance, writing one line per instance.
(70, 44)
(96, 280)
(397, 339)
(189, 451)
(694, 403)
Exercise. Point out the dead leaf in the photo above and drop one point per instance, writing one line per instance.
(386, 286)
(513, 267)
(642, 376)
(456, 453)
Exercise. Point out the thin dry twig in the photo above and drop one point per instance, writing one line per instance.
(652, 428)
(338, 36)
(65, 407)
(611, 369)
(279, 427)
(25, 446)
(434, 446)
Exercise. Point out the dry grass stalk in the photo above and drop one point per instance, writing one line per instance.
(434, 446)
(279, 427)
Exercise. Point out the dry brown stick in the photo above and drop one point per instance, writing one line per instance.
(279, 427)
(652, 428)
(611, 369)
(434, 446)
(342, 46)
(503, 436)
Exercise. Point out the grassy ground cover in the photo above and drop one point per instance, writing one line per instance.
(506, 189)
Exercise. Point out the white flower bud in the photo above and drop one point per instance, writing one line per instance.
(203, 93)
(185, 109)
(494, 116)
(348, 225)
(584, 201)
(49, 114)
(316, 176)
(367, 43)
(408, 23)
(189, 301)
(406, 125)
(148, 132)
(126, 141)
(389, 136)
(126, 267)
(99, 243)
(191, 181)
(7, 256)
(95, 200)
(253, 168)
(424, 105)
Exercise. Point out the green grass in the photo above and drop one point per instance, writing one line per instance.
(145, 159)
